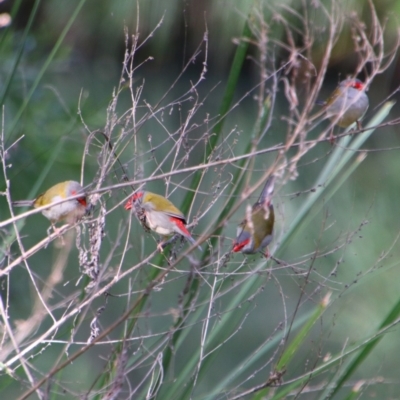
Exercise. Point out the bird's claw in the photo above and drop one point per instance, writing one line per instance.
(160, 247)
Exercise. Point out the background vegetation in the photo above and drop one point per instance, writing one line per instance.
(199, 101)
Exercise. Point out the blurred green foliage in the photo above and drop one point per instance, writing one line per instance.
(82, 76)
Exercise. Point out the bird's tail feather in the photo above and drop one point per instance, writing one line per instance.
(268, 190)
(191, 240)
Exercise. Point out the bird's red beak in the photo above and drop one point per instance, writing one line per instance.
(80, 200)
(239, 246)
(128, 204)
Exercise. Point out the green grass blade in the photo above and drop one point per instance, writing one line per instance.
(248, 363)
(344, 373)
(334, 187)
(333, 167)
(20, 51)
(237, 64)
(299, 339)
(294, 346)
(44, 68)
(5, 32)
(240, 56)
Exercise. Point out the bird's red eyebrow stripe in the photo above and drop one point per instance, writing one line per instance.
(137, 195)
(357, 85)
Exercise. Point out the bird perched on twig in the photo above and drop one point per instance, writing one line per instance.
(161, 216)
(347, 104)
(255, 232)
(70, 211)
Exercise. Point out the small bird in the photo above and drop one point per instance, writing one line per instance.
(161, 216)
(70, 211)
(347, 104)
(255, 232)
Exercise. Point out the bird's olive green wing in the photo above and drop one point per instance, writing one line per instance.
(263, 223)
(161, 204)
